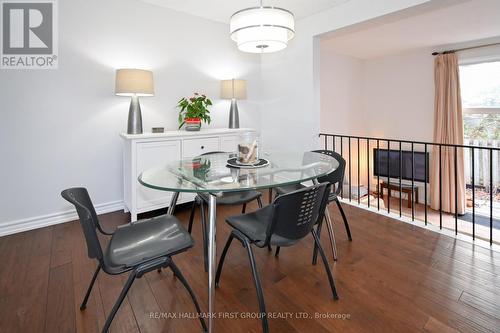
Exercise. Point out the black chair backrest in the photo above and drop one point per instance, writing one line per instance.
(296, 213)
(335, 178)
(79, 197)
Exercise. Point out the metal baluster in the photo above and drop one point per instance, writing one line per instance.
(491, 196)
(349, 141)
(379, 188)
(388, 177)
(412, 183)
(368, 168)
(333, 142)
(440, 191)
(326, 142)
(400, 177)
(425, 182)
(456, 189)
(473, 197)
(359, 199)
(342, 155)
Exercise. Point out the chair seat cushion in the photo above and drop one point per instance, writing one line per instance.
(234, 198)
(287, 189)
(254, 226)
(141, 241)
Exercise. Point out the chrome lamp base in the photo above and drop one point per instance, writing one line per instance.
(134, 125)
(234, 118)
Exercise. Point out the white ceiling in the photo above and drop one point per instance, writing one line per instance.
(221, 10)
(459, 23)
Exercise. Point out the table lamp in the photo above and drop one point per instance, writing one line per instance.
(233, 90)
(134, 83)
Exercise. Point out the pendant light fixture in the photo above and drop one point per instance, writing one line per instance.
(262, 29)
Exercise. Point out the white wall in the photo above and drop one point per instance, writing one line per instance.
(388, 97)
(398, 101)
(341, 92)
(290, 79)
(60, 128)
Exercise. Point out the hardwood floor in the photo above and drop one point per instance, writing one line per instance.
(392, 277)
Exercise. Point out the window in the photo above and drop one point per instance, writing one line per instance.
(480, 89)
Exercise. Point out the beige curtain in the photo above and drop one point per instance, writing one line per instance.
(448, 128)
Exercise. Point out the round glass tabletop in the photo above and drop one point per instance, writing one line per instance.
(211, 173)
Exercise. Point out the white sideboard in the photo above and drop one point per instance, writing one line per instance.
(144, 151)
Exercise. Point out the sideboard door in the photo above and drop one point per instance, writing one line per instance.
(150, 155)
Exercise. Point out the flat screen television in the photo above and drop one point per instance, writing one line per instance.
(390, 160)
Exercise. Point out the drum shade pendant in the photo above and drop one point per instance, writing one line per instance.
(262, 29)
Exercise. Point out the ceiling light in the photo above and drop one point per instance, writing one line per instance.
(262, 29)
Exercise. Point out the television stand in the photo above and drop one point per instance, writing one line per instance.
(405, 188)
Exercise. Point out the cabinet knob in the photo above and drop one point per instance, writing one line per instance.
(202, 147)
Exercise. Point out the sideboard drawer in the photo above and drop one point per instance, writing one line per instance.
(195, 147)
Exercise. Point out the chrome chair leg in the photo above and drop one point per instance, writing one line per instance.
(331, 234)
(325, 263)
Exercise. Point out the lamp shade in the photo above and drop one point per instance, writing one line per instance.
(262, 29)
(131, 82)
(233, 89)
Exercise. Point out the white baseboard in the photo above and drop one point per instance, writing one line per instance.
(31, 223)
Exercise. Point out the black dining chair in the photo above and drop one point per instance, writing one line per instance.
(336, 179)
(226, 199)
(139, 247)
(286, 221)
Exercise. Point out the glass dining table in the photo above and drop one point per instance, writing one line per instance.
(211, 174)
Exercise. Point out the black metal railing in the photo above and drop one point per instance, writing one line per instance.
(334, 141)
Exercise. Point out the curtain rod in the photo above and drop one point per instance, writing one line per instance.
(464, 49)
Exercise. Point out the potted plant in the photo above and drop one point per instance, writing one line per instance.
(193, 110)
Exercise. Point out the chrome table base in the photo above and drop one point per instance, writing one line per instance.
(212, 218)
